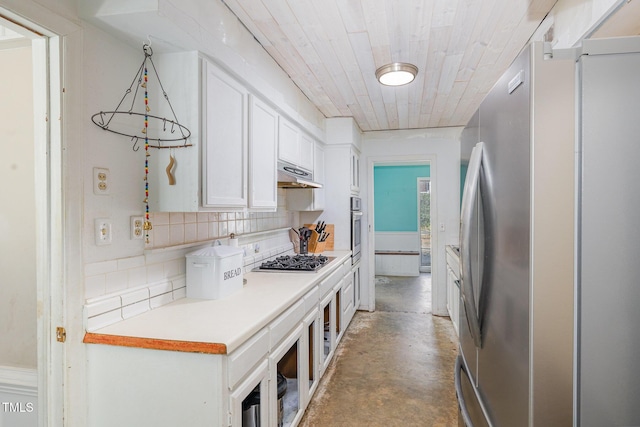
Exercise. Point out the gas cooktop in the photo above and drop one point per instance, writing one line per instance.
(295, 263)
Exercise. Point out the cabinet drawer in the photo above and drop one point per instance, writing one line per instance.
(327, 284)
(346, 267)
(311, 299)
(286, 322)
(247, 356)
(347, 294)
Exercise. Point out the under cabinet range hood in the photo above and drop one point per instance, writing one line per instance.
(291, 176)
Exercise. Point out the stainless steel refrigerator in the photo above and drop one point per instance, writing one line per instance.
(517, 234)
(549, 236)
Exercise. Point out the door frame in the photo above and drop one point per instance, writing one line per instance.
(390, 160)
(53, 38)
(428, 179)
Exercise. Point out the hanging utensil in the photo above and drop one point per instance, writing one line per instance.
(170, 167)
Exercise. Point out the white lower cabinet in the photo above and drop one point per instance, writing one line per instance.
(453, 298)
(355, 272)
(338, 302)
(347, 300)
(327, 315)
(158, 388)
(453, 288)
(249, 403)
(285, 380)
(130, 386)
(311, 369)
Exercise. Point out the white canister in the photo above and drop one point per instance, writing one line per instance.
(214, 272)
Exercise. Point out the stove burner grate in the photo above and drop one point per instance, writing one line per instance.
(295, 263)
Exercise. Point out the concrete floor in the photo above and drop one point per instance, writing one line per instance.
(394, 367)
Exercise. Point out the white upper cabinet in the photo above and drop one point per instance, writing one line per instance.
(288, 142)
(355, 171)
(307, 147)
(318, 175)
(294, 146)
(236, 138)
(225, 138)
(263, 155)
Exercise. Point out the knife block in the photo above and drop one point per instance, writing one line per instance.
(315, 246)
(328, 244)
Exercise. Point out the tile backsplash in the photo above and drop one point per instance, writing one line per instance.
(178, 228)
(120, 288)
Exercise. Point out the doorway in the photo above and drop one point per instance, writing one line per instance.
(400, 229)
(31, 368)
(18, 246)
(424, 223)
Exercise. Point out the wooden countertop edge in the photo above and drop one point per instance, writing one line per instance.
(155, 344)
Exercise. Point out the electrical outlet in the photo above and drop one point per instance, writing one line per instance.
(137, 228)
(101, 185)
(103, 231)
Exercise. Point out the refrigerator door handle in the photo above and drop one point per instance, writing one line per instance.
(462, 404)
(469, 196)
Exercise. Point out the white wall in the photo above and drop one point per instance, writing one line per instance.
(574, 19)
(441, 147)
(18, 345)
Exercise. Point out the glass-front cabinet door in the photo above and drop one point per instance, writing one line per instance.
(285, 385)
(250, 399)
(328, 317)
(312, 368)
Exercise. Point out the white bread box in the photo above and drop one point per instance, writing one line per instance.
(214, 272)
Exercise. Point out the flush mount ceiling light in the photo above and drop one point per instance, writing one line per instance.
(396, 74)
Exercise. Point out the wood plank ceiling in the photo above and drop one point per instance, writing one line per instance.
(332, 48)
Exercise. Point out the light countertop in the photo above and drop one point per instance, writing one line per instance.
(216, 326)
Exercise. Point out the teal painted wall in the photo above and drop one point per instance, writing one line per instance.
(395, 192)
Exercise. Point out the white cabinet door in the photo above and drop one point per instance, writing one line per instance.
(288, 142)
(225, 140)
(307, 147)
(355, 270)
(263, 139)
(355, 171)
(346, 301)
(258, 378)
(287, 360)
(453, 297)
(318, 176)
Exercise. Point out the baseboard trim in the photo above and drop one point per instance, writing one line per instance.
(21, 381)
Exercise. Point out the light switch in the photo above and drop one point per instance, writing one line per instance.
(103, 231)
(442, 227)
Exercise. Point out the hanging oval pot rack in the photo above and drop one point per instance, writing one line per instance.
(165, 127)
